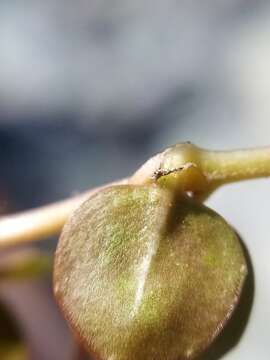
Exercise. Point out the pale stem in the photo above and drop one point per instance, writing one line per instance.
(199, 170)
(40, 223)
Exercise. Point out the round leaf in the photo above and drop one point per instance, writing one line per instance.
(141, 273)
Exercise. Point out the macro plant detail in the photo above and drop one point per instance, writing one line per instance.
(143, 269)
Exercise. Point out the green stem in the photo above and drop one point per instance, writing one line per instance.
(192, 169)
(229, 166)
(216, 167)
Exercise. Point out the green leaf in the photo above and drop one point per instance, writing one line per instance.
(142, 273)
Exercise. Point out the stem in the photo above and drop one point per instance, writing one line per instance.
(217, 167)
(37, 224)
(194, 169)
(230, 166)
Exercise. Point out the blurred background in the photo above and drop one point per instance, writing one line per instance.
(90, 89)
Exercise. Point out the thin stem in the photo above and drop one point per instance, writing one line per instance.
(37, 224)
(230, 166)
(194, 169)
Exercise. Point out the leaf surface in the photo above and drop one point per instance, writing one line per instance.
(141, 273)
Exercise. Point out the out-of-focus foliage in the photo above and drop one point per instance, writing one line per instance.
(24, 265)
(12, 346)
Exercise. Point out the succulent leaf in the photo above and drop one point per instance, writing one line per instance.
(144, 273)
